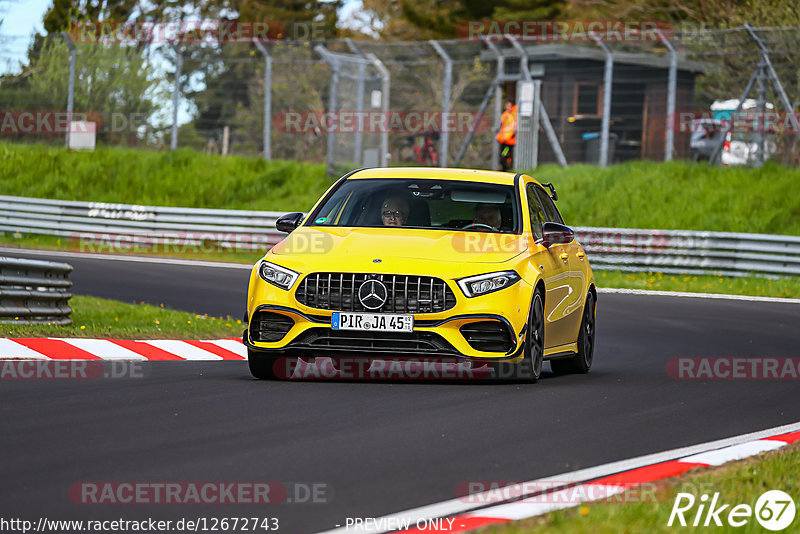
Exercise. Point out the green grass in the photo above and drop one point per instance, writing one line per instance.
(750, 285)
(679, 195)
(638, 194)
(180, 178)
(738, 483)
(103, 318)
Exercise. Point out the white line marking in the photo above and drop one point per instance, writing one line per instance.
(182, 349)
(734, 452)
(237, 347)
(721, 296)
(566, 498)
(459, 506)
(113, 257)
(13, 350)
(102, 348)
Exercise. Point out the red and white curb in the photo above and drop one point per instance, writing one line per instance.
(121, 349)
(592, 484)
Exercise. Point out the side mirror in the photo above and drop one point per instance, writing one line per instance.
(556, 234)
(287, 223)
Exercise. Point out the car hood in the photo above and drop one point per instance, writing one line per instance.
(396, 243)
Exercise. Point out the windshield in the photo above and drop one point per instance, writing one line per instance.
(428, 204)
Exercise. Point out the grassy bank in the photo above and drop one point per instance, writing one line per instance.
(638, 194)
(180, 178)
(737, 483)
(679, 195)
(103, 318)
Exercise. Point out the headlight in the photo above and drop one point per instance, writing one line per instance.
(276, 275)
(474, 286)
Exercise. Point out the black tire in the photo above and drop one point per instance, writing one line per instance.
(261, 365)
(530, 368)
(582, 361)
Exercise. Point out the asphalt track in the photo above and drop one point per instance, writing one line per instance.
(377, 447)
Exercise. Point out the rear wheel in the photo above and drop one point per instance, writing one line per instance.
(582, 361)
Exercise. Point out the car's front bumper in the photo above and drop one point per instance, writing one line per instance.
(489, 327)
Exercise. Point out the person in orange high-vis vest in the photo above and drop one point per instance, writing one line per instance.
(507, 136)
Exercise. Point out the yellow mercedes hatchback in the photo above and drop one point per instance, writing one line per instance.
(428, 264)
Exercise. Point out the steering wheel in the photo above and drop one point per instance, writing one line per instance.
(481, 225)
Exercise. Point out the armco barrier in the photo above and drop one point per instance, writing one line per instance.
(143, 225)
(677, 251)
(682, 251)
(33, 291)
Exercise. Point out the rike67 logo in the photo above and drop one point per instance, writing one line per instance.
(774, 510)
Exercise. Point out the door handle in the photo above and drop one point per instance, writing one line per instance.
(581, 254)
(564, 256)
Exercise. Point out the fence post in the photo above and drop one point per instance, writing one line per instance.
(173, 144)
(358, 137)
(498, 102)
(71, 86)
(331, 139)
(672, 83)
(385, 87)
(447, 82)
(266, 52)
(607, 84)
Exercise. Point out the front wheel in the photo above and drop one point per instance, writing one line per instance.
(582, 361)
(268, 367)
(530, 368)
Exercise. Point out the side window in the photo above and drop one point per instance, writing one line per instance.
(550, 211)
(535, 211)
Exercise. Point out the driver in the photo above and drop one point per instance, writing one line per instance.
(394, 211)
(489, 215)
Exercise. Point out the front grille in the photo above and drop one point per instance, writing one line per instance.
(392, 342)
(487, 336)
(406, 294)
(269, 326)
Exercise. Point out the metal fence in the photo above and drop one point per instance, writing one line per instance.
(33, 291)
(604, 102)
(682, 251)
(130, 226)
(124, 226)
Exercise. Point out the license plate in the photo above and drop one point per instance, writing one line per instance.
(382, 322)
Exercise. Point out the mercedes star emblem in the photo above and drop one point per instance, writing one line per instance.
(372, 294)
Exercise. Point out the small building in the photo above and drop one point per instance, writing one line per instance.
(572, 92)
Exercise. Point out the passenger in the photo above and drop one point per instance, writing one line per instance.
(489, 215)
(394, 211)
